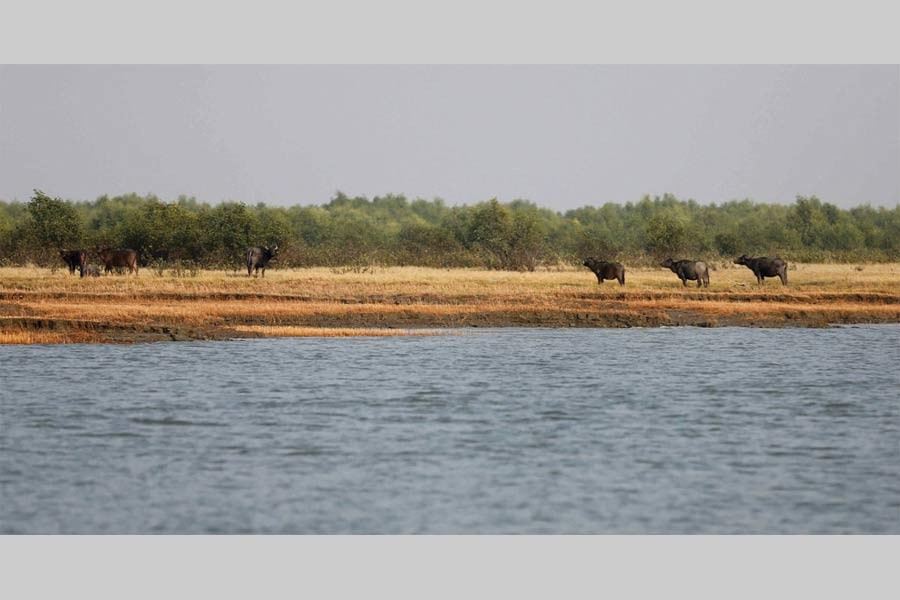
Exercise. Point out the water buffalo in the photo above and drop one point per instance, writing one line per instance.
(605, 270)
(258, 258)
(694, 270)
(74, 259)
(90, 271)
(125, 257)
(764, 267)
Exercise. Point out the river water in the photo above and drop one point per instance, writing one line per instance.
(667, 430)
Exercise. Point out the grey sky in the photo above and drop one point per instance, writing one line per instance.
(562, 136)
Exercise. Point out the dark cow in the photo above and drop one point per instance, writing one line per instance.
(694, 270)
(74, 259)
(90, 271)
(605, 270)
(764, 267)
(258, 258)
(125, 257)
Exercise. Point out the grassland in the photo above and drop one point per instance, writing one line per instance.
(40, 306)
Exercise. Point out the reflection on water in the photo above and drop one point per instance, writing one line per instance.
(679, 430)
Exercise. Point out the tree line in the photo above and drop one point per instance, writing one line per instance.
(393, 230)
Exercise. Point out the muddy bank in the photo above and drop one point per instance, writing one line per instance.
(90, 331)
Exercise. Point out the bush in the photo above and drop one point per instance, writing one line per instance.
(356, 232)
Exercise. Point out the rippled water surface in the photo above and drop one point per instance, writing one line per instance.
(679, 430)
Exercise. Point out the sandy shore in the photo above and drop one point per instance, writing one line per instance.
(40, 306)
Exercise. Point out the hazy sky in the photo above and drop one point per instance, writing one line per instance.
(562, 136)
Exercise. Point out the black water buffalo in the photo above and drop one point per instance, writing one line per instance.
(90, 271)
(764, 267)
(258, 258)
(74, 259)
(605, 270)
(124, 257)
(694, 270)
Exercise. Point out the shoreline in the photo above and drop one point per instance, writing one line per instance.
(61, 331)
(37, 306)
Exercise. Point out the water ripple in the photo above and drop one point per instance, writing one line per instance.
(674, 430)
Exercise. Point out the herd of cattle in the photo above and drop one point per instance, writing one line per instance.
(111, 259)
(259, 258)
(694, 270)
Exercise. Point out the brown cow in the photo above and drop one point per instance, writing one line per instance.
(605, 270)
(694, 270)
(74, 259)
(259, 258)
(125, 257)
(764, 267)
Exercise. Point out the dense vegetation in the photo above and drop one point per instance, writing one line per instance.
(391, 230)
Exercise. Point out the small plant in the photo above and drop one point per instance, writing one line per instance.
(158, 267)
(363, 264)
(184, 268)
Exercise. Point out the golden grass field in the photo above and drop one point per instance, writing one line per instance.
(42, 306)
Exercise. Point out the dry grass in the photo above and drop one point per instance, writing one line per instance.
(37, 306)
(25, 336)
(288, 331)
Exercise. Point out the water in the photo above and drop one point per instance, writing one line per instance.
(679, 430)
